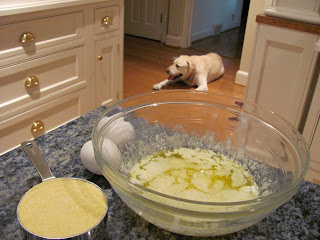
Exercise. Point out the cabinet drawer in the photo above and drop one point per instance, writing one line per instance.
(107, 19)
(52, 114)
(54, 73)
(45, 32)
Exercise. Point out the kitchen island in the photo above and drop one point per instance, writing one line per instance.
(299, 218)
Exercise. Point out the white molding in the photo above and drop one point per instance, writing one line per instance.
(173, 41)
(308, 18)
(268, 4)
(293, 10)
(230, 26)
(242, 78)
(201, 35)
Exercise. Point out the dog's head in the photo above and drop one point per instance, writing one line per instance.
(180, 68)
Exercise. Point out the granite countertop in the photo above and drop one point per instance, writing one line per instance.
(299, 218)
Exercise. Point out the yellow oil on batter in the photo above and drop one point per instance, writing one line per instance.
(195, 174)
(61, 208)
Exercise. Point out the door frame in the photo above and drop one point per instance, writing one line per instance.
(187, 24)
(164, 23)
(186, 33)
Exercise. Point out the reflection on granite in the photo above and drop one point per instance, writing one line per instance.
(299, 218)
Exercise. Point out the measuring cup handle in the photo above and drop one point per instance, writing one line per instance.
(36, 157)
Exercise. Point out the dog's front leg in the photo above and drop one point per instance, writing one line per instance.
(160, 85)
(163, 84)
(201, 81)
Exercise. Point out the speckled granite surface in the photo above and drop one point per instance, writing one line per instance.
(299, 218)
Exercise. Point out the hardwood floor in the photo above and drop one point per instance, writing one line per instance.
(227, 44)
(145, 62)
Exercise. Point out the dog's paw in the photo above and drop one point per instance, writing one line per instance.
(156, 86)
(201, 88)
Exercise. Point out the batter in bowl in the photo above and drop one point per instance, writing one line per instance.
(195, 174)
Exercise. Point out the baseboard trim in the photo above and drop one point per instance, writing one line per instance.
(209, 32)
(230, 26)
(201, 35)
(173, 41)
(242, 78)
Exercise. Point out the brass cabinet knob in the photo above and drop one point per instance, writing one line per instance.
(26, 37)
(31, 81)
(106, 20)
(100, 58)
(37, 126)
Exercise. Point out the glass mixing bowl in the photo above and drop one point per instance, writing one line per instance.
(269, 147)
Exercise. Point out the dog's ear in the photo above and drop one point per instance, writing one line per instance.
(174, 58)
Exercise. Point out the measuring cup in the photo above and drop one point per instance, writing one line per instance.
(71, 202)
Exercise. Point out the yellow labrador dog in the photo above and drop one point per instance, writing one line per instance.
(194, 71)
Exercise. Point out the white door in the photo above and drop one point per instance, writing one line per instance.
(144, 18)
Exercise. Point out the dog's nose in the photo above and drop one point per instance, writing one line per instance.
(168, 71)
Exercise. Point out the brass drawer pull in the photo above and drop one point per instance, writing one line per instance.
(37, 126)
(26, 37)
(31, 81)
(100, 58)
(106, 20)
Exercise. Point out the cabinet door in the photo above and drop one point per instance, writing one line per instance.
(311, 133)
(313, 174)
(281, 70)
(108, 67)
(314, 169)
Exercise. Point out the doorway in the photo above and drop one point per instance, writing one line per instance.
(227, 43)
(149, 19)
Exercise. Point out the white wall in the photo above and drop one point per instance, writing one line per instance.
(209, 12)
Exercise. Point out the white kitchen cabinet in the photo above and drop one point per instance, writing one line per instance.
(108, 90)
(313, 174)
(281, 70)
(311, 132)
(58, 60)
(283, 74)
